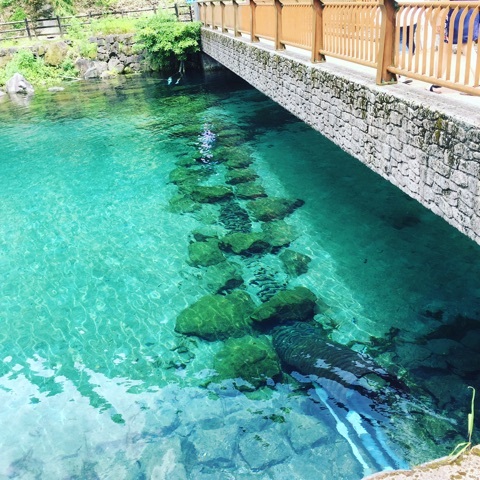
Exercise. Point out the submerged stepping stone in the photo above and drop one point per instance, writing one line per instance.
(205, 253)
(287, 306)
(250, 191)
(188, 177)
(183, 204)
(207, 194)
(233, 158)
(222, 277)
(245, 243)
(234, 177)
(230, 137)
(217, 317)
(273, 208)
(295, 263)
(279, 233)
(252, 359)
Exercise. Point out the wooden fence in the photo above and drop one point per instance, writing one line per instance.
(59, 25)
(433, 41)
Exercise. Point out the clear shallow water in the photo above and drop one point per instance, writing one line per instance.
(95, 383)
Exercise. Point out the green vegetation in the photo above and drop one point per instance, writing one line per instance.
(31, 67)
(168, 43)
(465, 446)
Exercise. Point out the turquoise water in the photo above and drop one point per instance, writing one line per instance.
(94, 271)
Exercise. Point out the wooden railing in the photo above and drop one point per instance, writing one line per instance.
(59, 25)
(434, 41)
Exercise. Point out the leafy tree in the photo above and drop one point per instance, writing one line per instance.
(167, 42)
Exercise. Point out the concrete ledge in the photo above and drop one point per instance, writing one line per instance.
(466, 467)
(430, 151)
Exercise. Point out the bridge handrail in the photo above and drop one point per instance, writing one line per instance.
(431, 41)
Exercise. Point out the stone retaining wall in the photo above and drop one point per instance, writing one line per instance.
(430, 152)
(114, 54)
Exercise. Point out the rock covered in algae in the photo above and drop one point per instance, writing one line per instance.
(234, 157)
(217, 317)
(286, 306)
(188, 177)
(205, 253)
(222, 277)
(183, 204)
(234, 177)
(279, 233)
(252, 359)
(211, 194)
(273, 208)
(245, 243)
(250, 191)
(295, 263)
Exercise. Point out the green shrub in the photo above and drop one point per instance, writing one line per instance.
(167, 42)
(18, 14)
(86, 49)
(114, 26)
(31, 67)
(75, 29)
(68, 67)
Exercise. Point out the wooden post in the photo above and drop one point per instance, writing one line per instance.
(236, 33)
(317, 40)
(59, 26)
(222, 20)
(253, 22)
(28, 29)
(386, 52)
(176, 10)
(278, 26)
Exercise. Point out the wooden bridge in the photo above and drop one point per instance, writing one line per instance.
(434, 41)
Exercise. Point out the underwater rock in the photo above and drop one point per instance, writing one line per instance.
(205, 253)
(186, 131)
(245, 243)
(188, 177)
(217, 317)
(230, 137)
(307, 350)
(164, 460)
(272, 208)
(264, 449)
(211, 194)
(252, 359)
(183, 204)
(234, 177)
(214, 446)
(287, 306)
(234, 158)
(306, 431)
(250, 191)
(222, 277)
(295, 263)
(206, 232)
(279, 233)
